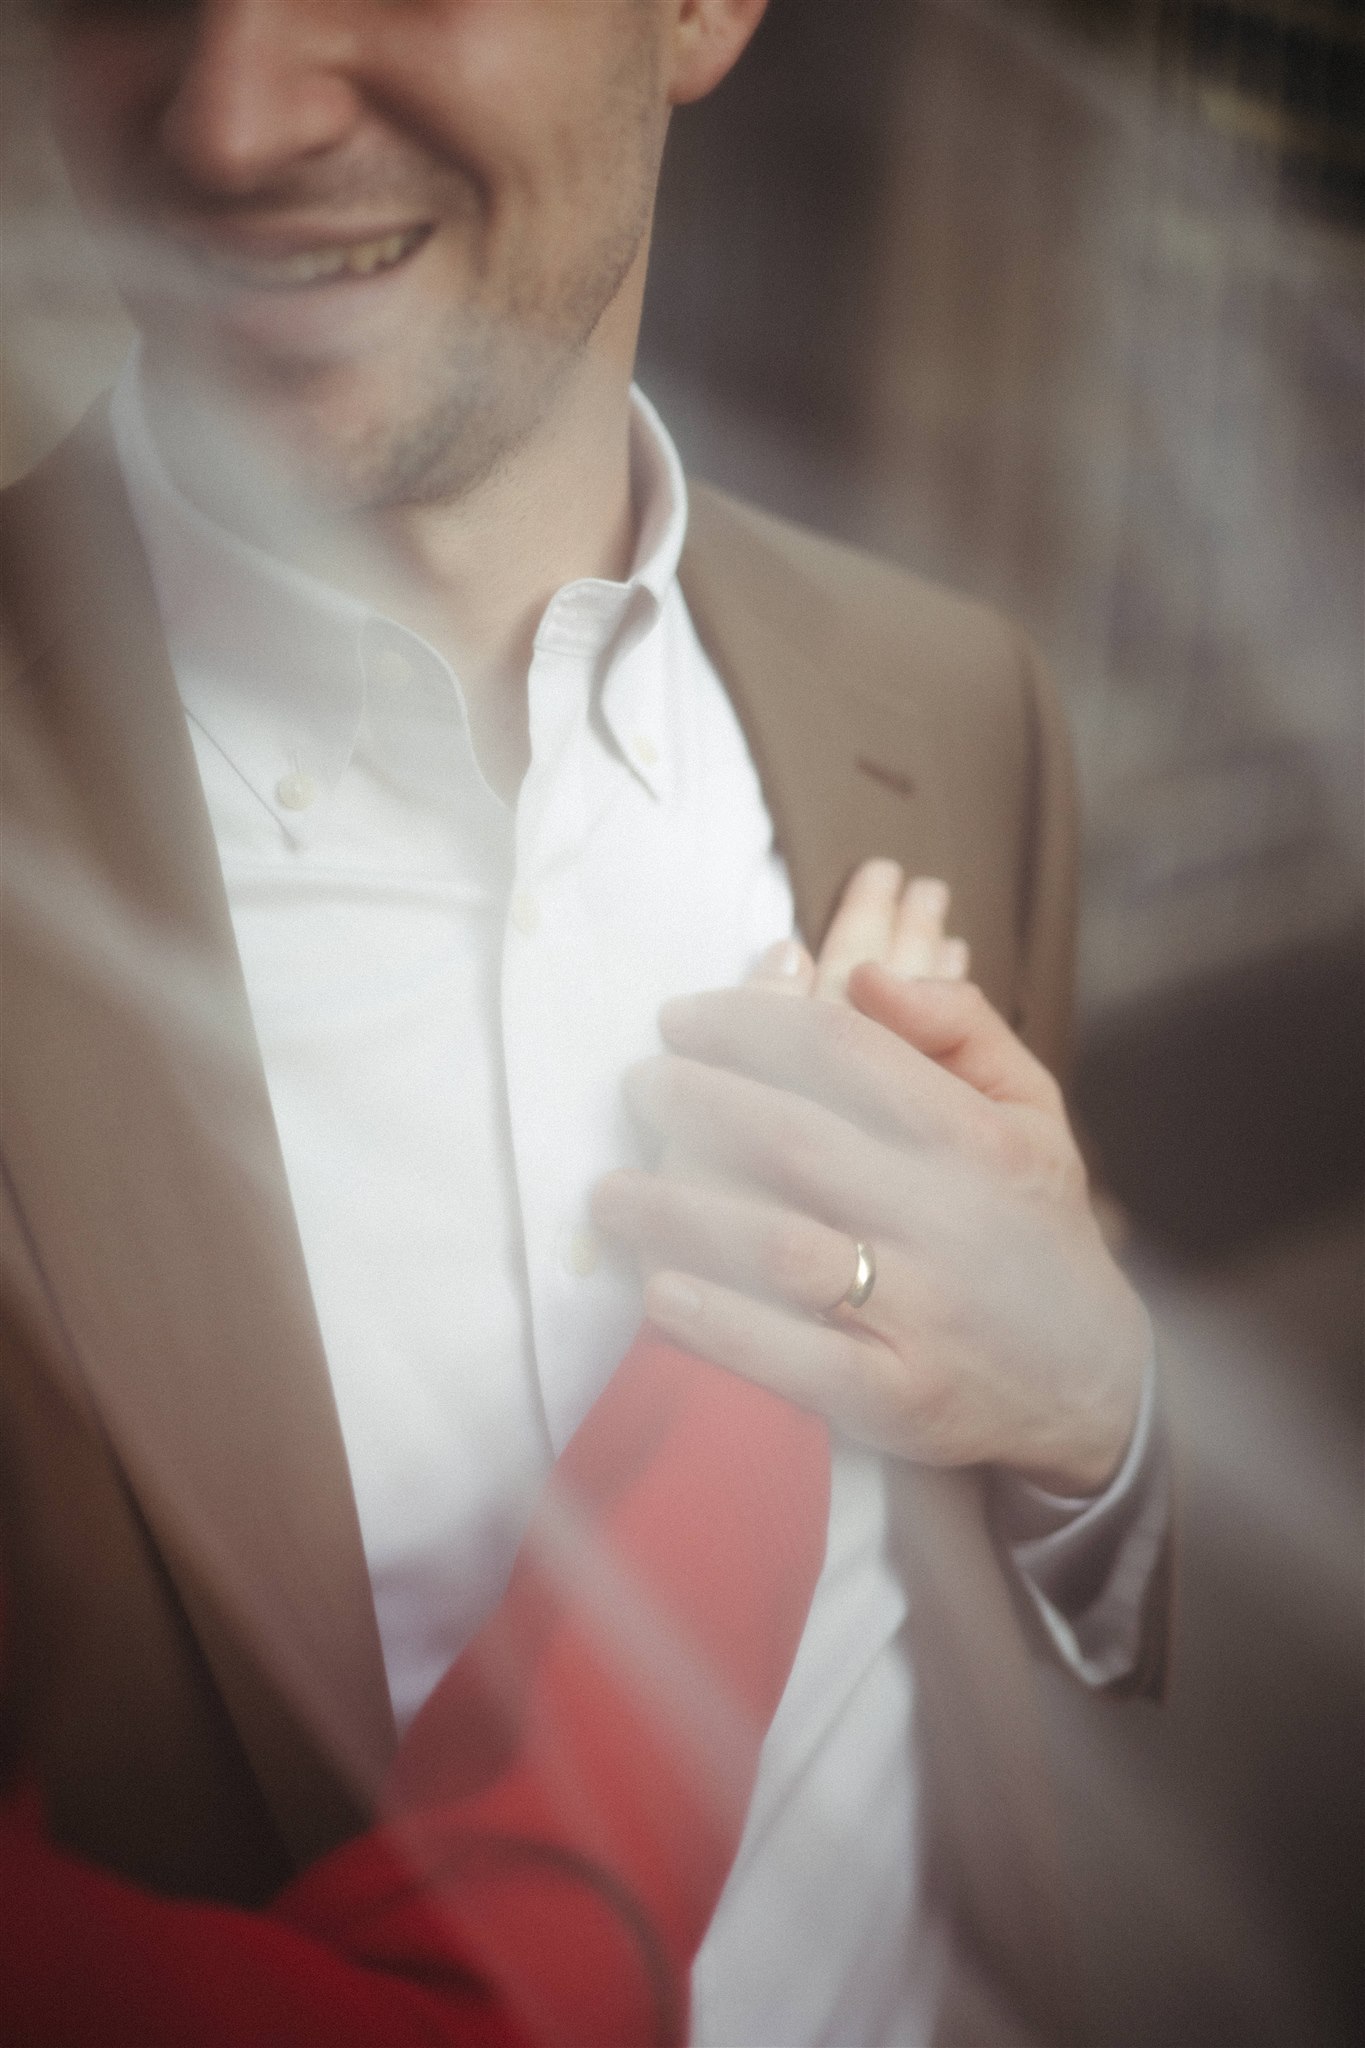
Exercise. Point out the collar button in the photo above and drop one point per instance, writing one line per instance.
(296, 792)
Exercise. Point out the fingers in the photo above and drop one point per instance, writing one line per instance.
(829, 1054)
(899, 924)
(864, 925)
(754, 1246)
(955, 1026)
(917, 939)
(856, 1381)
(724, 1127)
(786, 968)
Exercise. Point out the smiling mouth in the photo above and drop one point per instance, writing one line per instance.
(325, 265)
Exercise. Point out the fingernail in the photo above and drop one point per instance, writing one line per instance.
(787, 959)
(669, 1298)
(786, 963)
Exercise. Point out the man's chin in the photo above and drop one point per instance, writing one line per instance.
(258, 441)
(420, 419)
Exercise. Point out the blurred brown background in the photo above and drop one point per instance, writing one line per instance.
(1063, 305)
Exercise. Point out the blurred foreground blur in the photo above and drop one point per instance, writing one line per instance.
(1064, 307)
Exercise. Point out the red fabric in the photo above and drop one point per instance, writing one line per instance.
(561, 1816)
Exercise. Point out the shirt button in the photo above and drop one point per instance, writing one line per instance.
(296, 792)
(392, 669)
(525, 912)
(644, 750)
(582, 1253)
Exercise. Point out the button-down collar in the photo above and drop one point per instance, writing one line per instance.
(279, 668)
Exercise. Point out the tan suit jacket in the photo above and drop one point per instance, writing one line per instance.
(197, 1667)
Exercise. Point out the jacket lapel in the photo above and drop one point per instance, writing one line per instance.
(884, 718)
(838, 757)
(141, 1150)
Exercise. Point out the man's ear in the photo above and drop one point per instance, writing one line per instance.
(708, 36)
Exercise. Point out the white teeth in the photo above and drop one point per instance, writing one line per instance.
(319, 266)
(372, 256)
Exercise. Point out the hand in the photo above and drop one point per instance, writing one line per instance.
(910, 1117)
(883, 918)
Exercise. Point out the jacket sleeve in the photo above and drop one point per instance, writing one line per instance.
(561, 1816)
(1104, 1571)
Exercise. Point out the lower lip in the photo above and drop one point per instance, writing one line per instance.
(322, 321)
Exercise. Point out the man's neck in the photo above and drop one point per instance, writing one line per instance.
(474, 575)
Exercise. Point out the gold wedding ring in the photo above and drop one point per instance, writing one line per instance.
(857, 1293)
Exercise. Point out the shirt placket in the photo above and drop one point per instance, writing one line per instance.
(542, 944)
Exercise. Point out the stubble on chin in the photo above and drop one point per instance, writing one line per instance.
(490, 381)
(432, 433)
(426, 427)
(490, 385)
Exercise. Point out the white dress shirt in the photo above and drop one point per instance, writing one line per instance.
(447, 991)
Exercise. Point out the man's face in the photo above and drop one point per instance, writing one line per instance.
(381, 230)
